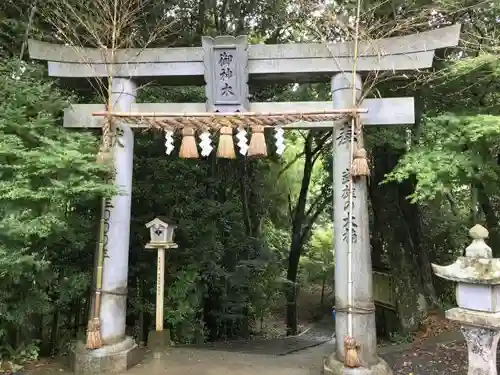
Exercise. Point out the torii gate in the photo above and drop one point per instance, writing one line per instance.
(227, 91)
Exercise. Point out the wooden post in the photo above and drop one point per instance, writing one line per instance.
(159, 338)
(160, 287)
(161, 233)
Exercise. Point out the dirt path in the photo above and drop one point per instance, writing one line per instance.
(433, 358)
(211, 362)
(187, 361)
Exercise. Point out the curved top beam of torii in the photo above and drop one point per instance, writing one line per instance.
(294, 61)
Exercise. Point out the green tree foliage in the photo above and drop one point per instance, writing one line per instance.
(454, 159)
(317, 264)
(47, 175)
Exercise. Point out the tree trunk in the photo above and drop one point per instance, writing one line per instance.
(376, 234)
(298, 222)
(323, 284)
(291, 289)
(244, 197)
(412, 223)
(76, 317)
(401, 258)
(54, 332)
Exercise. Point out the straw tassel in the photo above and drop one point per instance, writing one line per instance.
(94, 339)
(225, 149)
(188, 149)
(257, 147)
(359, 167)
(351, 357)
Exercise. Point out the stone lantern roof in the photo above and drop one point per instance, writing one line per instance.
(477, 266)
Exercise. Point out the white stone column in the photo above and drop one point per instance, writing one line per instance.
(364, 315)
(117, 217)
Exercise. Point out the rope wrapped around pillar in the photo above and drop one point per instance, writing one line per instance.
(105, 155)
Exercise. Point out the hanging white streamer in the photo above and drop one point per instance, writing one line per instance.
(280, 139)
(169, 141)
(206, 143)
(241, 136)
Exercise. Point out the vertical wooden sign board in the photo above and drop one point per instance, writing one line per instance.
(160, 285)
(226, 73)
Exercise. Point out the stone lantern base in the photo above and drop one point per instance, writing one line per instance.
(474, 318)
(332, 366)
(116, 358)
(482, 332)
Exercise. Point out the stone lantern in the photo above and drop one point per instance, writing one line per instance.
(478, 298)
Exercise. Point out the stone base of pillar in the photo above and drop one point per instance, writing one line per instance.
(158, 342)
(332, 366)
(114, 358)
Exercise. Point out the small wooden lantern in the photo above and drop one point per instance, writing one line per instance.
(161, 231)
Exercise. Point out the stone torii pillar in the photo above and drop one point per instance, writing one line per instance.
(119, 351)
(363, 309)
(117, 219)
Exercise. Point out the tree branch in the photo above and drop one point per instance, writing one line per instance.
(314, 152)
(291, 163)
(290, 206)
(316, 201)
(306, 231)
(322, 141)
